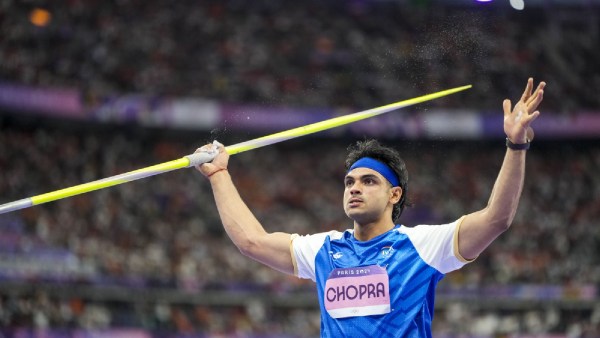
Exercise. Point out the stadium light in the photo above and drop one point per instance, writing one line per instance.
(516, 4)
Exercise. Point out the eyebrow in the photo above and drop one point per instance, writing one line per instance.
(362, 177)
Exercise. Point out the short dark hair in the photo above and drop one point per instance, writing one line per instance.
(387, 155)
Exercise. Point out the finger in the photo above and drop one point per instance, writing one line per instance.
(205, 166)
(539, 88)
(507, 106)
(220, 147)
(532, 117)
(527, 92)
(206, 148)
(536, 102)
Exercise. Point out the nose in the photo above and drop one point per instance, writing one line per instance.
(355, 188)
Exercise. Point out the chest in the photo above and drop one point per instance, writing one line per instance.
(358, 280)
(389, 254)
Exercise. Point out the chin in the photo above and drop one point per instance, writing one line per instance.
(358, 217)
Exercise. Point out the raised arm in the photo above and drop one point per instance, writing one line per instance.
(246, 232)
(480, 228)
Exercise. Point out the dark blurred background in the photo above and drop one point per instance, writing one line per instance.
(91, 89)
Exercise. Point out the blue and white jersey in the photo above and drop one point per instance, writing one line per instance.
(384, 287)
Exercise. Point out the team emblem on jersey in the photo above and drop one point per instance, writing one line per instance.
(387, 251)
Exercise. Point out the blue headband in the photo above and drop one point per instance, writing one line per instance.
(380, 167)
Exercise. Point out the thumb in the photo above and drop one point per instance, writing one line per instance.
(530, 133)
(506, 105)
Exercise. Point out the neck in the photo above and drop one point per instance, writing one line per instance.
(365, 232)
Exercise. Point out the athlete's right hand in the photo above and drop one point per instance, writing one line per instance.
(219, 163)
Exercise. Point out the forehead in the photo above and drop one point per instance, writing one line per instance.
(359, 172)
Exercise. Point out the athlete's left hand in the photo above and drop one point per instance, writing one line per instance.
(517, 123)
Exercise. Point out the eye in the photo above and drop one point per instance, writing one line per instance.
(348, 183)
(369, 180)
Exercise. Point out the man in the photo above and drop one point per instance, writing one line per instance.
(379, 278)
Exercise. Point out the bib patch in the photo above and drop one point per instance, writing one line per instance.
(357, 292)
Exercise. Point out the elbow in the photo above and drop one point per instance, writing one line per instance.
(245, 248)
(500, 221)
(249, 247)
(501, 225)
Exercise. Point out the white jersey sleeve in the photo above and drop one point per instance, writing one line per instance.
(304, 249)
(437, 245)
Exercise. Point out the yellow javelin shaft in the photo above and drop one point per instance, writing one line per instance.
(336, 122)
(199, 158)
(110, 181)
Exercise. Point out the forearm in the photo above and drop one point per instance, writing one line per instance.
(480, 228)
(240, 224)
(272, 249)
(504, 200)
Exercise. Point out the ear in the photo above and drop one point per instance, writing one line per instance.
(395, 195)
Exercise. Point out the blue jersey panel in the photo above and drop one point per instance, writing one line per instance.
(411, 286)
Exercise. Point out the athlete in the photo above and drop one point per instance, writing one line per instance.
(379, 278)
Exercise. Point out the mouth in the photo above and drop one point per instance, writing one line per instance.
(354, 202)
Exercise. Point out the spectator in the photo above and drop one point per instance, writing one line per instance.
(315, 53)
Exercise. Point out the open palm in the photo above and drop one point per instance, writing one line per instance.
(517, 121)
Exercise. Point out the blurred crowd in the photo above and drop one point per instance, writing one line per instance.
(310, 53)
(41, 315)
(163, 231)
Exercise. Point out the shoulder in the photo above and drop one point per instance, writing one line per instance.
(437, 244)
(429, 229)
(319, 238)
(304, 249)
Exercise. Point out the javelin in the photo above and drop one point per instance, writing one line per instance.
(203, 157)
